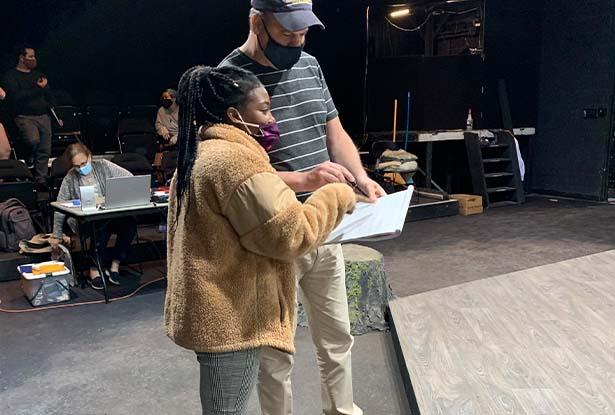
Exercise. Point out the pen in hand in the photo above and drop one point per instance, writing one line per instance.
(355, 187)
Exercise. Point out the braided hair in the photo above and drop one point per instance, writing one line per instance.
(204, 94)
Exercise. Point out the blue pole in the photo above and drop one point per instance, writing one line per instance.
(408, 181)
(407, 122)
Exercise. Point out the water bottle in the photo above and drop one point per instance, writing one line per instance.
(469, 121)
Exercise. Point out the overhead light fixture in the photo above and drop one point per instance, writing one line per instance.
(399, 13)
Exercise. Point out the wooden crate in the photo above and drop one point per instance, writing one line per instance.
(469, 204)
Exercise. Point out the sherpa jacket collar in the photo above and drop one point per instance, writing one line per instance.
(233, 134)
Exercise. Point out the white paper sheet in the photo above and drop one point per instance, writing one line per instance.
(374, 221)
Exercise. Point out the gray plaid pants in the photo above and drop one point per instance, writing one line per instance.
(227, 380)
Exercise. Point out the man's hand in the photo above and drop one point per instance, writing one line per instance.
(42, 82)
(60, 122)
(370, 188)
(325, 173)
(2, 94)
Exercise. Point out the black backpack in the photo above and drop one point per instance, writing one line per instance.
(15, 225)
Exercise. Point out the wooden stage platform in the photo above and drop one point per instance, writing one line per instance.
(537, 341)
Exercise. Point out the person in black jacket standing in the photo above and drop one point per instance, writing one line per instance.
(28, 92)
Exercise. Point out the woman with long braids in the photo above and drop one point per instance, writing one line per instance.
(235, 229)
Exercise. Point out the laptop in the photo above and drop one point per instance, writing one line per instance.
(128, 191)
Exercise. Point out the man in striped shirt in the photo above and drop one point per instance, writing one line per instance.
(314, 150)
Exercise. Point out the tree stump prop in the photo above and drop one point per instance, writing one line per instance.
(367, 289)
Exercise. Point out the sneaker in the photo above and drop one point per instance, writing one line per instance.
(113, 277)
(96, 283)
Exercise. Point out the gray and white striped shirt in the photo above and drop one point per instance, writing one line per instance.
(301, 104)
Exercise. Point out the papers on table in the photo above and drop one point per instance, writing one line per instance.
(374, 221)
(72, 204)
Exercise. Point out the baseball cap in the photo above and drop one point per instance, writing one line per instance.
(294, 15)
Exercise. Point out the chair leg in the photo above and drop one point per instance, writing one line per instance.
(40, 221)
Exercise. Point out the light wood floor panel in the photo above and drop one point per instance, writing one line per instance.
(535, 342)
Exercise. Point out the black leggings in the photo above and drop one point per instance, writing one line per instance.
(125, 229)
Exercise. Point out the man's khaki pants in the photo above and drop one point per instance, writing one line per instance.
(322, 279)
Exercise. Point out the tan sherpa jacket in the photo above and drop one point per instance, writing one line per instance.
(230, 271)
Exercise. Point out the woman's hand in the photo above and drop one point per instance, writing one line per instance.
(54, 242)
(164, 133)
(325, 173)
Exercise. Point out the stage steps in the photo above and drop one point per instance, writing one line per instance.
(494, 169)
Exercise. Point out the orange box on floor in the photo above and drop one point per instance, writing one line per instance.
(469, 204)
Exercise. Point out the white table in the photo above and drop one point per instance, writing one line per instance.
(87, 219)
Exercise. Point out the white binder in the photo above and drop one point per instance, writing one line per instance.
(374, 221)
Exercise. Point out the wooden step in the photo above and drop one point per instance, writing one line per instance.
(495, 160)
(500, 189)
(497, 175)
(495, 146)
(432, 210)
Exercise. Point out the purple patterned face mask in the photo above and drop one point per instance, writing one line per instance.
(269, 133)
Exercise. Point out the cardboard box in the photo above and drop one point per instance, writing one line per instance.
(469, 204)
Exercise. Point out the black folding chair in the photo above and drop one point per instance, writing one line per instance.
(70, 132)
(135, 125)
(59, 167)
(137, 164)
(145, 144)
(16, 181)
(168, 165)
(101, 123)
(147, 112)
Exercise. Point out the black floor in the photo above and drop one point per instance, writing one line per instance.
(115, 359)
(442, 252)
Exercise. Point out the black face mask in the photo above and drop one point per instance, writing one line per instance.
(167, 103)
(283, 57)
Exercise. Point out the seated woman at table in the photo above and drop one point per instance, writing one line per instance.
(88, 172)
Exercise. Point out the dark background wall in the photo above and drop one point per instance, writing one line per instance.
(512, 53)
(577, 72)
(445, 87)
(126, 52)
(556, 57)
